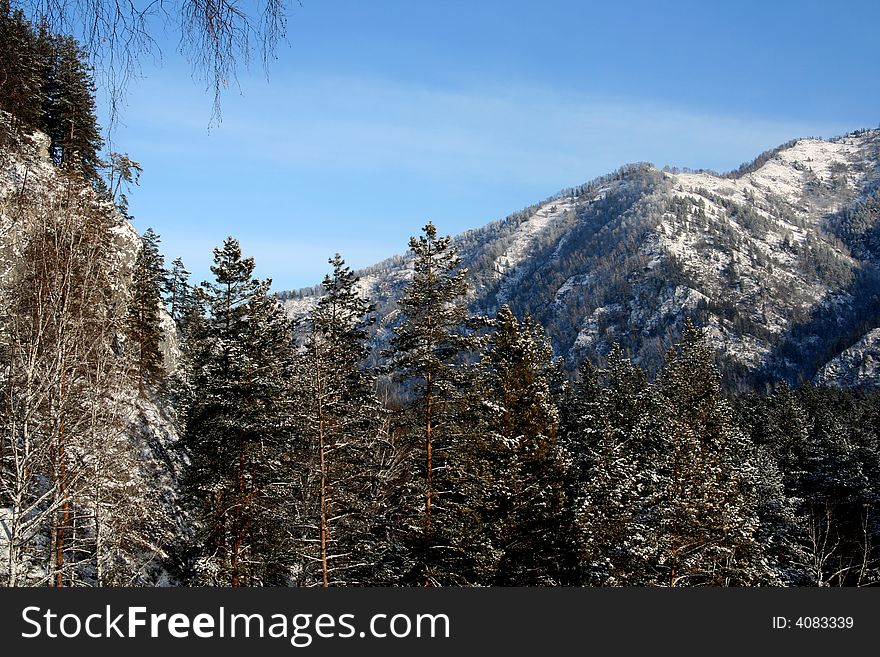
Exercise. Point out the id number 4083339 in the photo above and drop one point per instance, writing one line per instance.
(813, 623)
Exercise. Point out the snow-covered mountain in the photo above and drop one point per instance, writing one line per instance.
(778, 260)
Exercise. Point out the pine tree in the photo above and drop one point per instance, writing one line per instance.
(69, 98)
(835, 486)
(186, 311)
(238, 429)
(612, 428)
(144, 322)
(706, 513)
(179, 294)
(346, 430)
(21, 72)
(121, 171)
(427, 353)
(777, 426)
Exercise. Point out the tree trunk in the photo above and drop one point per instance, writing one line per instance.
(429, 458)
(63, 516)
(325, 571)
(239, 524)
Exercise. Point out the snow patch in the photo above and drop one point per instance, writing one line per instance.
(506, 265)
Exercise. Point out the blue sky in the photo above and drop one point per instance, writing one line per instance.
(378, 116)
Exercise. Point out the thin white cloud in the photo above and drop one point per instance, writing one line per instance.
(527, 134)
(286, 156)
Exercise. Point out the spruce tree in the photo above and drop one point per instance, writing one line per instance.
(524, 469)
(836, 488)
(706, 511)
(612, 429)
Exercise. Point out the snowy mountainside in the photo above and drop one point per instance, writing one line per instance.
(779, 261)
(856, 366)
(30, 186)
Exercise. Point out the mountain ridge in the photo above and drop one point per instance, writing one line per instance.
(762, 257)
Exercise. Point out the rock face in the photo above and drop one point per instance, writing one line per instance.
(855, 367)
(25, 167)
(778, 260)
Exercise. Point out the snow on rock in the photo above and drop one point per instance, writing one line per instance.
(591, 328)
(857, 366)
(528, 230)
(571, 283)
(151, 428)
(506, 265)
(297, 307)
(786, 174)
(169, 346)
(628, 257)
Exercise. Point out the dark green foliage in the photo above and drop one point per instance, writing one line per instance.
(426, 355)
(668, 485)
(825, 443)
(517, 461)
(709, 513)
(22, 67)
(180, 297)
(46, 84)
(70, 109)
(237, 432)
(144, 324)
(608, 422)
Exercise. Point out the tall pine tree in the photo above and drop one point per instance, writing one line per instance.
(21, 69)
(346, 430)
(238, 431)
(427, 354)
(70, 109)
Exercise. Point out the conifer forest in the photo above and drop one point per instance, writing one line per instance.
(156, 430)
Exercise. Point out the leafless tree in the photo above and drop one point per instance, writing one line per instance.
(215, 35)
(73, 500)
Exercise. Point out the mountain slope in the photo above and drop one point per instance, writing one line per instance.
(778, 260)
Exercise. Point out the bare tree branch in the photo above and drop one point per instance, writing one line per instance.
(216, 36)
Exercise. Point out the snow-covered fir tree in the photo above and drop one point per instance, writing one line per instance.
(706, 520)
(521, 484)
(611, 431)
